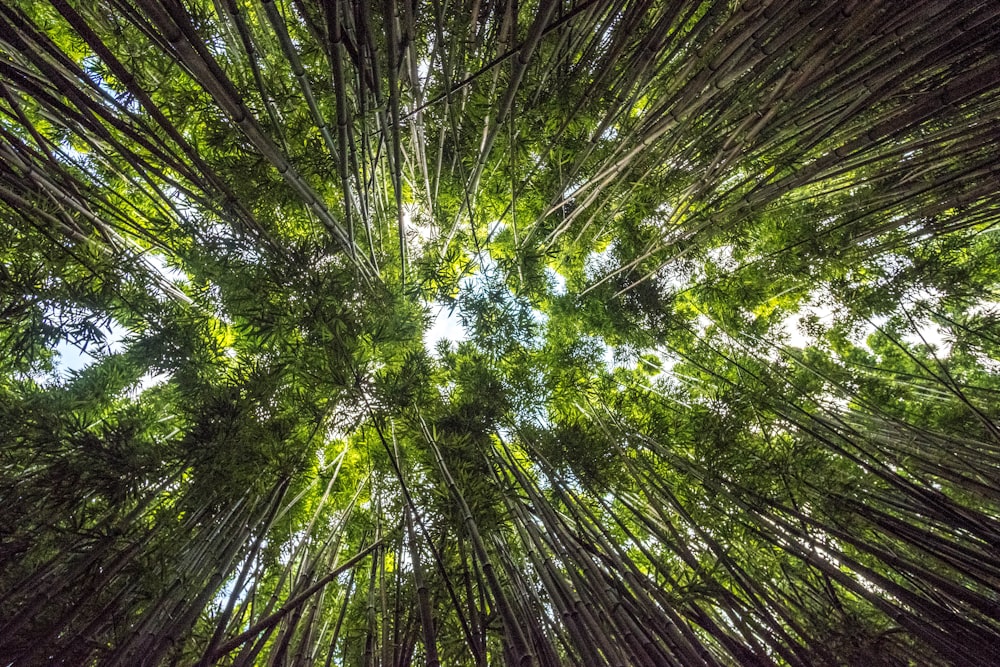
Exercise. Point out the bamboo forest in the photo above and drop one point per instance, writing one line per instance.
(500, 332)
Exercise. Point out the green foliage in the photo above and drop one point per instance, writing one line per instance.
(725, 386)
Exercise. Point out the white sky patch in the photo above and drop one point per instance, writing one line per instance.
(834, 402)
(671, 278)
(71, 152)
(722, 257)
(860, 337)
(541, 318)
(893, 263)
(73, 358)
(988, 364)
(487, 266)
(495, 228)
(983, 307)
(445, 325)
(792, 324)
(610, 134)
(571, 189)
(418, 228)
(159, 264)
(926, 331)
(703, 323)
(147, 381)
(181, 204)
(556, 280)
(665, 209)
(609, 357)
(612, 359)
(931, 334)
(594, 264)
(446, 321)
(667, 361)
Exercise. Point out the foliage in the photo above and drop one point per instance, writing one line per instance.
(721, 384)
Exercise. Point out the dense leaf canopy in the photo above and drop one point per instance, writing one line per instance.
(647, 332)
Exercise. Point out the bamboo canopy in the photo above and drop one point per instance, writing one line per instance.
(718, 289)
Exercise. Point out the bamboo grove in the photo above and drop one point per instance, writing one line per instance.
(725, 388)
